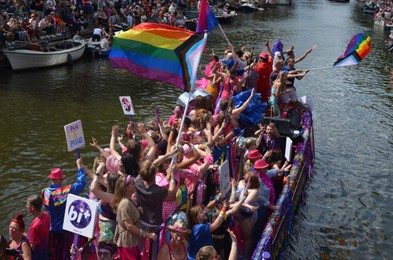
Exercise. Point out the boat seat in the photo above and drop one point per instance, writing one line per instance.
(69, 45)
(44, 46)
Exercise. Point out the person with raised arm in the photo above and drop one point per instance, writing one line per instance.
(150, 197)
(107, 217)
(54, 198)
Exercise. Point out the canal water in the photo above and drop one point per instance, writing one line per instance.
(347, 209)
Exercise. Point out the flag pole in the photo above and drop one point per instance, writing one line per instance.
(194, 74)
(331, 67)
(226, 38)
(321, 68)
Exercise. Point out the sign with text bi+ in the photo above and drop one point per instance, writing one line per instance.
(225, 180)
(80, 215)
(126, 104)
(74, 135)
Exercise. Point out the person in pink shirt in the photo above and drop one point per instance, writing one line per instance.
(177, 115)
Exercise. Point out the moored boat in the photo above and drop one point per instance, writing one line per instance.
(340, 1)
(379, 21)
(249, 7)
(222, 17)
(98, 48)
(284, 2)
(225, 17)
(367, 9)
(45, 54)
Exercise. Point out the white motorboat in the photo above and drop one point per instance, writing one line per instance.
(44, 54)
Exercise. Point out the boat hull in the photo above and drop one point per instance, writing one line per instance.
(284, 2)
(247, 9)
(22, 59)
(225, 20)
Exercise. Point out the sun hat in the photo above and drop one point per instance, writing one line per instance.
(261, 164)
(254, 154)
(180, 223)
(56, 174)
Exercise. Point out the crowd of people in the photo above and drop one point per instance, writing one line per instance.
(158, 184)
(42, 20)
(383, 15)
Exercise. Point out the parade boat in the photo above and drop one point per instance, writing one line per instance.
(295, 128)
(44, 54)
(296, 125)
(275, 236)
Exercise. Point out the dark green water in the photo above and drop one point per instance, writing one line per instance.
(347, 209)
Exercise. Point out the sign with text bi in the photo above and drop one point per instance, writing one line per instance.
(126, 104)
(225, 181)
(74, 135)
(80, 215)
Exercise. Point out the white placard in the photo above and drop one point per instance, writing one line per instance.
(126, 104)
(306, 100)
(74, 135)
(288, 149)
(225, 181)
(80, 215)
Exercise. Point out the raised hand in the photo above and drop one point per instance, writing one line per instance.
(94, 142)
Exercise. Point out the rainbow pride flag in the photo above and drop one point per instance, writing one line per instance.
(206, 20)
(159, 52)
(357, 50)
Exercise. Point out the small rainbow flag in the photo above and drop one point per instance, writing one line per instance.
(159, 52)
(357, 50)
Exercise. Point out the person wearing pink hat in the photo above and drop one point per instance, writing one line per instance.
(252, 157)
(266, 195)
(54, 198)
